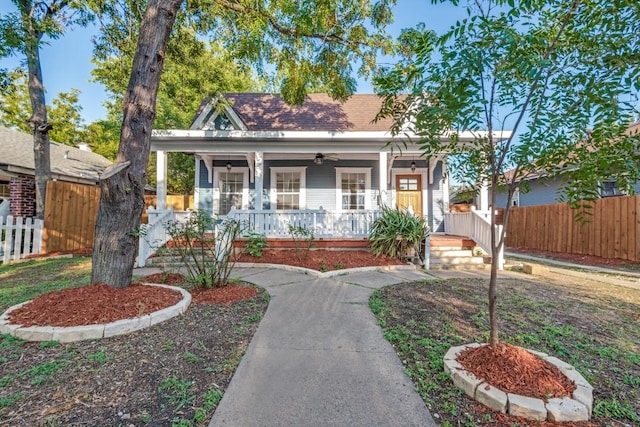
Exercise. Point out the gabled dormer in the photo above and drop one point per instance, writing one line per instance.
(217, 114)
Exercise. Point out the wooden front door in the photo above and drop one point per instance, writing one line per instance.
(409, 193)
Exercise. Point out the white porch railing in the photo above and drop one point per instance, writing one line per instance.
(476, 225)
(19, 237)
(347, 224)
(350, 224)
(154, 234)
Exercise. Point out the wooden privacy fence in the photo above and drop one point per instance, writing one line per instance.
(178, 202)
(69, 216)
(613, 230)
(71, 211)
(19, 237)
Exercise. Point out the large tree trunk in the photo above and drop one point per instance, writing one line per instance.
(122, 199)
(39, 126)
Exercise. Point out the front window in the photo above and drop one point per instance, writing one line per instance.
(353, 190)
(288, 188)
(231, 189)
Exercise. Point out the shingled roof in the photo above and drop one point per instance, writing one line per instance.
(266, 112)
(16, 155)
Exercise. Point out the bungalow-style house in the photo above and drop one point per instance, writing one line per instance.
(17, 185)
(259, 154)
(326, 165)
(543, 189)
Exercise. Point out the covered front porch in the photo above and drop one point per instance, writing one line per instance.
(463, 232)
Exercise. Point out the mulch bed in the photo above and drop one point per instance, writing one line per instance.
(99, 303)
(321, 259)
(515, 370)
(93, 304)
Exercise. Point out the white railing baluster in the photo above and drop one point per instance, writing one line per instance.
(476, 225)
(348, 224)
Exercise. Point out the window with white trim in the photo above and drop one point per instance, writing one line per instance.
(231, 189)
(353, 188)
(288, 188)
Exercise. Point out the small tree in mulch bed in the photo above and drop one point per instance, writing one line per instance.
(205, 246)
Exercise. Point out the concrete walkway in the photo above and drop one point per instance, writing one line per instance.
(318, 357)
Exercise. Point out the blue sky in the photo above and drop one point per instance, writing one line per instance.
(66, 62)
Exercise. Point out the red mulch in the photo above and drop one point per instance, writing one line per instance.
(515, 370)
(93, 304)
(225, 295)
(99, 303)
(172, 279)
(319, 259)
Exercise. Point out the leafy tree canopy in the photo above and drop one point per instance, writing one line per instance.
(548, 70)
(64, 114)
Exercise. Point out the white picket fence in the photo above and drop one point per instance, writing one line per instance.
(19, 237)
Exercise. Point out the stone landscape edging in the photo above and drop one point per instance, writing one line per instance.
(576, 408)
(332, 273)
(97, 331)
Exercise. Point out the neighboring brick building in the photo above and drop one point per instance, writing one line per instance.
(17, 170)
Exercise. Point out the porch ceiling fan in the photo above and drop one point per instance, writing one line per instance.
(320, 158)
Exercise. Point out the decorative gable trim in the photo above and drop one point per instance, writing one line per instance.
(208, 115)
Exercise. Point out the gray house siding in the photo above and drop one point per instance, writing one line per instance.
(539, 192)
(321, 180)
(204, 189)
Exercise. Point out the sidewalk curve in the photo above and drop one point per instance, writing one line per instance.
(318, 357)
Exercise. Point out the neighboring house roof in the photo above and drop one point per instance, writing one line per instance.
(633, 129)
(67, 163)
(266, 112)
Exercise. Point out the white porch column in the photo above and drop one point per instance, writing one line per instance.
(445, 187)
(484, 197)
(196, 187)
(258, 178)
(161, 180)
(382, 178)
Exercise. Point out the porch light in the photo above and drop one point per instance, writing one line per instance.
(413, 166)
(318, 159)
(228, 165)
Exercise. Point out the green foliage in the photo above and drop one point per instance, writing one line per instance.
(25, 281)
(535, 65)
(614, 408)
(549, 70)
(255, 243)
(303, 240)
(15, 107)
(397, 232)
(64, 112)
(205, 246)
(178, 392)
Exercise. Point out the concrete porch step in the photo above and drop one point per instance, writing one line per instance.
(451, 252)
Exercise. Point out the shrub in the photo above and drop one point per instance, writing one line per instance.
(303, 240)
(397, 232)
(205, 246)
(256, 242)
